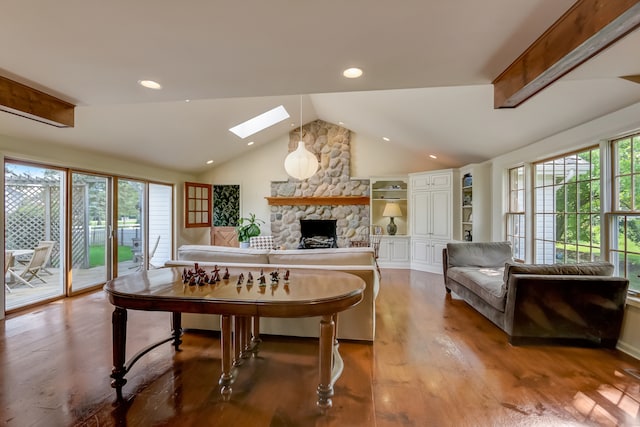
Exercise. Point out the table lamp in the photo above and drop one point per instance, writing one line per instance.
(392, 210)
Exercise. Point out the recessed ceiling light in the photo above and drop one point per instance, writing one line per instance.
(352, 73)
(187, 100)
(433, 156)
(250, 143)
(340, 123)
(209, 162)
(260, 122)
(386, 139)
(150, 84)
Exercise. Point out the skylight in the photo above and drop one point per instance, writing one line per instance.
(260, 122)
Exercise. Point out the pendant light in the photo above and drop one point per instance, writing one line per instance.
(301, 163)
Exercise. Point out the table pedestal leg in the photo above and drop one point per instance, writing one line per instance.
(226, 377)
(176, 325)
(119, 332)
(237, 340)
(325, 388)
(255, 339)
(246, 337)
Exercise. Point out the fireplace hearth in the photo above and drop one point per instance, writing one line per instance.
(318, 233)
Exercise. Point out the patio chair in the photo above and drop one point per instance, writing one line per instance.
(8, 264)
(35, 265)
(50, 245)
(138, 257)
(8, 259)
(153, 252)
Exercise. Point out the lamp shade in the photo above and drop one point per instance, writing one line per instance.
(301, 163)
(392, 210)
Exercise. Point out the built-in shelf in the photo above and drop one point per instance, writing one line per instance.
(322, 200)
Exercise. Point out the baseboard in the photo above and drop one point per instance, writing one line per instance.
(628, 349)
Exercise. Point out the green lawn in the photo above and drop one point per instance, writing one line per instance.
(96, 255)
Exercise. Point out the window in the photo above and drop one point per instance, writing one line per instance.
(515, 215)
(567, 208)
(197, 205)
(624, 249)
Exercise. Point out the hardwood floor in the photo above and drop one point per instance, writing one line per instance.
(435, 362)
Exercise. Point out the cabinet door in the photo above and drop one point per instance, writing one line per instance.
(383, 251)
(441, 221)
(440, 181)
(399, 249)
(437, 248)
(420, 222)
(420, 182)
(420, 251)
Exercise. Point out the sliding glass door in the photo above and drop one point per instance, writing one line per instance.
(130, 226)
(90, 230)
(92, 226)
(160, 220)
(34, 230)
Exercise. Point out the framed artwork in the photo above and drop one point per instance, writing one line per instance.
(226, 205)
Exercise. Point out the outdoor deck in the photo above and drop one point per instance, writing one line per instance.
(22, 295)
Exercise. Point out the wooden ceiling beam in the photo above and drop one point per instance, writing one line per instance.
(22, 100)
(586, 29)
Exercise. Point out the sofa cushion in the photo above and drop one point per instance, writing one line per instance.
(222, 254)
(332, 256)
(482, 254)
(597, 268)
(486, 283)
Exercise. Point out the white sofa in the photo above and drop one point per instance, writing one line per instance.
(356, 323)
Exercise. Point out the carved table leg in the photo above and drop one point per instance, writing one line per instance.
(246, 337)
(237, 340)
(119, 331)
(226, 378)
(325, 388)
(255, 339)
(176, 325)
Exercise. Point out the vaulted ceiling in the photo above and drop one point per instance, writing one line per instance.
(428, 68)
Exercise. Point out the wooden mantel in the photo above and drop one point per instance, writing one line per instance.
(320, 200)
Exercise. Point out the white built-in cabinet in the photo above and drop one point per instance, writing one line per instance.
(394, 252)
(426, 200)
(431, 217)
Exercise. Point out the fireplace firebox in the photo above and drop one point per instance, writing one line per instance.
(318, 233)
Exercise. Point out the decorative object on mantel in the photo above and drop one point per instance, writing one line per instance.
(301, 163)
(392, 210)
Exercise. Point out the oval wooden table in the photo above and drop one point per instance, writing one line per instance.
(305, 293)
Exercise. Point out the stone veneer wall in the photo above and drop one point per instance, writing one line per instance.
(332, 179)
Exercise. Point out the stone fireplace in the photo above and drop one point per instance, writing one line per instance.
(330, 194)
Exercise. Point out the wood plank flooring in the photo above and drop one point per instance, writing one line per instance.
(435, 362)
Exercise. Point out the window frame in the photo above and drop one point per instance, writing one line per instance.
(546, 221)
(516, 215)
(197, 204)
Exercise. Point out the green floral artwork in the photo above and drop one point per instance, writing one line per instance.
(226, 205)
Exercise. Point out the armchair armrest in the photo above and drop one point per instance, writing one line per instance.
(567, 309)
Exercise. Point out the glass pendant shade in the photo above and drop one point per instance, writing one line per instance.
(301, 163)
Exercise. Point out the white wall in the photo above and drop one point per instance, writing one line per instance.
(255, 170)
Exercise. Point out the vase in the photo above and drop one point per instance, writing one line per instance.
(244, 245)
(392, 228)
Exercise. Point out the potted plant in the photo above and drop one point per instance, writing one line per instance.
(247, 228)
